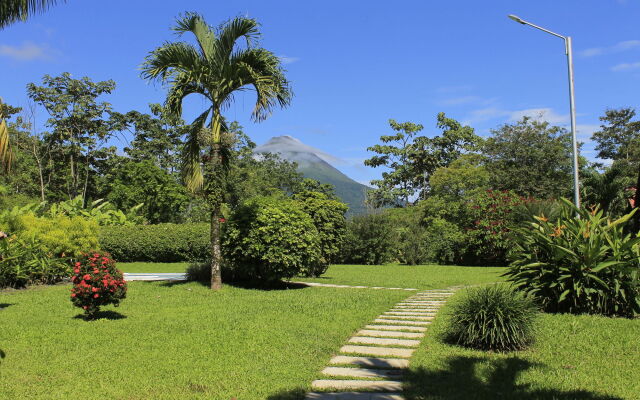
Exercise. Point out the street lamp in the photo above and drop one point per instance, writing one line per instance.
(567, 48)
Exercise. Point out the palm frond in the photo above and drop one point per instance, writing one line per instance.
(205, 36)
(231, 31)
(263, 70)
(191, 165)
(181, 87)
(170, 59)
(14, 10)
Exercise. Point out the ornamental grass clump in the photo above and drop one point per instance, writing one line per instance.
(96, 282)
(493, 318)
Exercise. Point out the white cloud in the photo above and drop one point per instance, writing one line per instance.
(28, 51)
(287, 59)
(625, 67)
(585, 131)
(616, 48)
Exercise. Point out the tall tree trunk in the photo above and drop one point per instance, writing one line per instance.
(216, 257)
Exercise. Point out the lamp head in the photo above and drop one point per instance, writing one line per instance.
(517, 19)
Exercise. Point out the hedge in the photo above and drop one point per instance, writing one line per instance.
(156, 243)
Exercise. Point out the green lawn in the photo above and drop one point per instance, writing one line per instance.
(574, 357)
(178, 341)
(414, 276)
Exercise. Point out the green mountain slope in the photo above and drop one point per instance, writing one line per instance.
(311, 163)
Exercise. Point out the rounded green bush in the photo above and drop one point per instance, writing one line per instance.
(492, 318)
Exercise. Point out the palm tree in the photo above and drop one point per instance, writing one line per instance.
(13, 10)
(215, 68)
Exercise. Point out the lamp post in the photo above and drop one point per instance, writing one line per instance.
(572, 103)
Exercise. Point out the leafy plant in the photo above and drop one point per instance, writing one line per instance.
(492, 317)
(328, 217)
(581, 263)
(26, 262)
(96, 282)
(270, 238)
(157, 243)
(369, 240)
(101, 211)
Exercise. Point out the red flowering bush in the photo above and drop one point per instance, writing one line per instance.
(96, 282)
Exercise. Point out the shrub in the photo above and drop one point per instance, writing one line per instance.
(369, 240)
(490, 235)
(581, 263)
(26, 262)
(96, 282)
(492, 318)
(328, 218)
(60, 236)
(268, 239)
(156, 243)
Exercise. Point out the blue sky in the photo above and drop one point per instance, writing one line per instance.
(355, 64)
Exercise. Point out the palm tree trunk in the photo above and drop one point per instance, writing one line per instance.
(636, 217)
(216, 257)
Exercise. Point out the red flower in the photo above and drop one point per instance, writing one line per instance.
(73, 295)
(95, 289)
(95, 296)
(87, 277)
(222, 220)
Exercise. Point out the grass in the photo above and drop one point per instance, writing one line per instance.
(574, 357)
(169, 341)
(409, 276)
(392, 275)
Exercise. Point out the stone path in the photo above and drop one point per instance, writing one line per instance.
(371, 366)
(332, 285)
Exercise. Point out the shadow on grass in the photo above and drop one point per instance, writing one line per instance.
(460, 381)
(280, 285)
(2, 355)
(5, 305)
(295, 394)
(110, 315)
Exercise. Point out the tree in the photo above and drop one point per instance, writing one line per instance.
(215, 68)
(530, 157)
(6, 153)
(81, 125)
(157, 137)
(412, 159)
(619, 140)
(14, 10)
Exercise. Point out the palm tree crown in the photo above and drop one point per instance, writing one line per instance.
(14, 10)
(216, 68)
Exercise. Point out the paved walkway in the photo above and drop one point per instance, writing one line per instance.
(135, 276)
(373, 360)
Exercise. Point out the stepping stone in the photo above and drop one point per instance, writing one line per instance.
(419, 306)
(372, 362)
(401, 322)
(396, 328)
(413, 309)
(377, 351)
(356, 384)
(375, 333)
(428, 314)
(410, 317)
(354, 396)
(363, 372)
(384, 341)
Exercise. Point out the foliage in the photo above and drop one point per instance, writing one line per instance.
(581, 263)
(6, 152)
(327, 215)
(410, 236)
(19, 10)
(269, 238)
(27, 261)
(491, 215)
(160, 243)
(609, 189)
(100, 211)
(494, 317)
(149, 189)
(412, 159)
(530, 157)
(81, 125)
(369, 240)
(60, 236)
(96, 283)
(215, 68)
